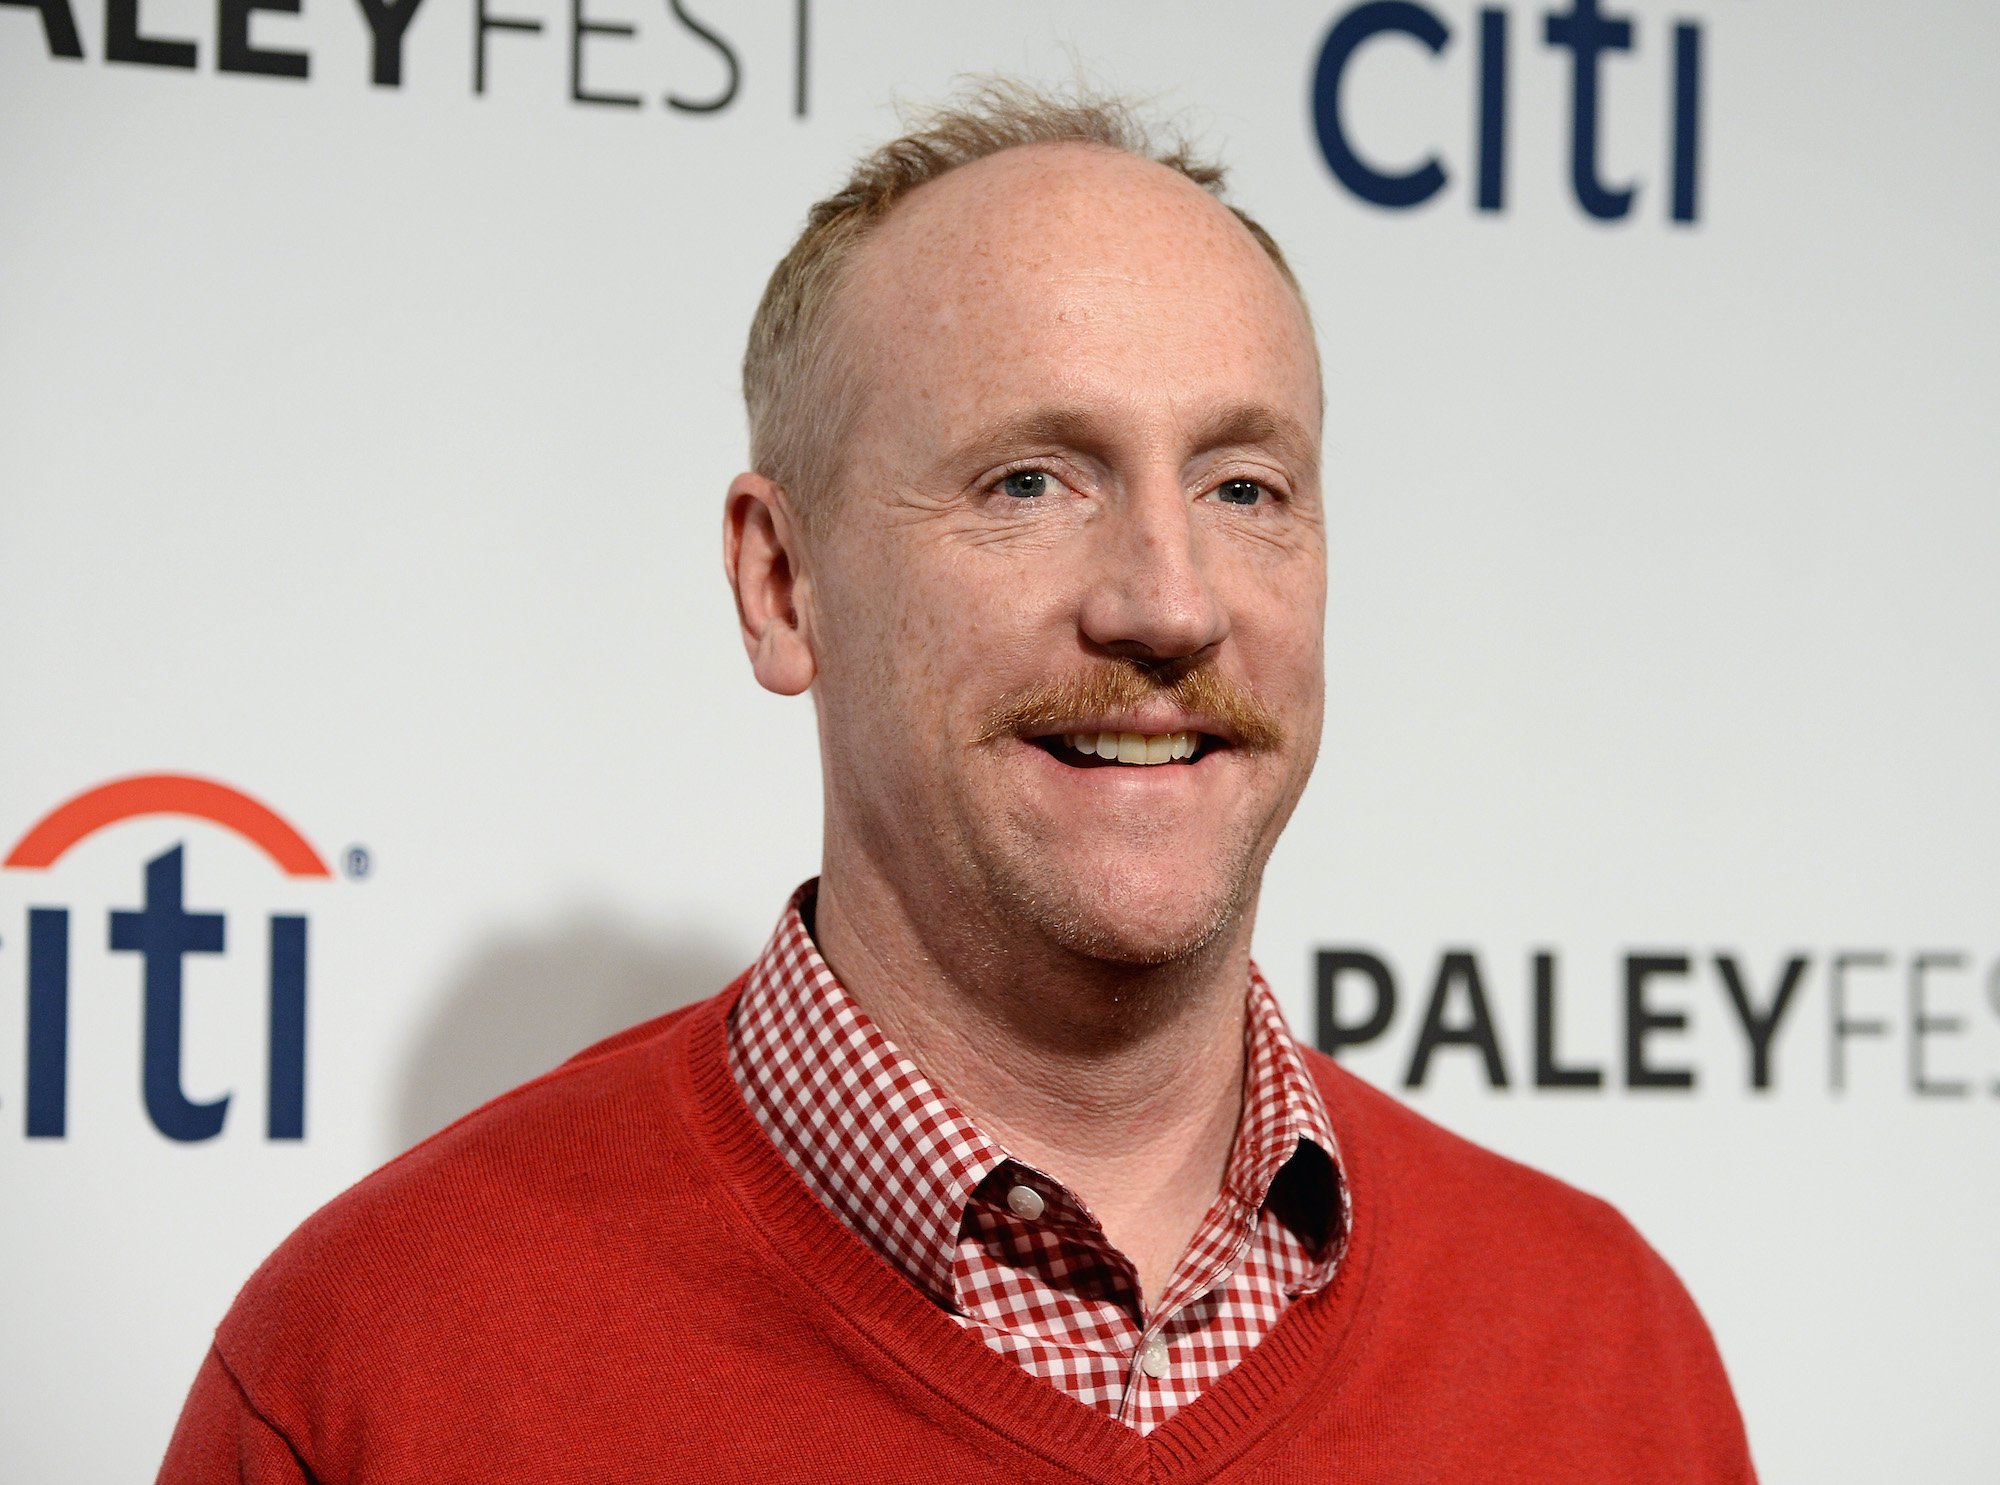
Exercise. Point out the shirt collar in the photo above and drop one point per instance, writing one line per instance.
(888, 1150)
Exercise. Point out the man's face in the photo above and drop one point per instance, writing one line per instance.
(1084, 468)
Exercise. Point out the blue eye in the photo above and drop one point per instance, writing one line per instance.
(1239, 492)
(1025, 484)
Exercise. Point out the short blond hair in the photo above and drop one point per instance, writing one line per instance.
(800, 404)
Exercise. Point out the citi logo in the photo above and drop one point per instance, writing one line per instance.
(162, 933)
(1583, 31)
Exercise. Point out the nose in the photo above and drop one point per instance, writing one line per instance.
(1150, 595)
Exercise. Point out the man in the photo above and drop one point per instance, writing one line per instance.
(999, 1164)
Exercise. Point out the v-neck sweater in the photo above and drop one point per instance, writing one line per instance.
(1041, 1282)
(610, 1274)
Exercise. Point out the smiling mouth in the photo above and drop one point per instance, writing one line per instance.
(1127, 749)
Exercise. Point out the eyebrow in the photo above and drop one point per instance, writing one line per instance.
(1230, 425)
(1239, 423)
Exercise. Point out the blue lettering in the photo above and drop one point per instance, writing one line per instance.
(286, 1119)
(1588, 35)
(48, 1023)
(162, 932)
(1687, 119)
(1492, 109)
(1412, 187)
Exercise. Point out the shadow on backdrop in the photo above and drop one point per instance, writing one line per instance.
(522, 1005)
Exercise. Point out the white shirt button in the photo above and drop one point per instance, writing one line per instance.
(1024, 1202)
(1153, 1360)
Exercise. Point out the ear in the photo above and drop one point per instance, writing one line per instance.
(761, 554)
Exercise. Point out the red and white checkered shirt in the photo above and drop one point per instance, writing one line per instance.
(1009, 1251)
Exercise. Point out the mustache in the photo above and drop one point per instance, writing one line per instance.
(1127, 685)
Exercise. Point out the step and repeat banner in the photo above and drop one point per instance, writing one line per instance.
(374, 731)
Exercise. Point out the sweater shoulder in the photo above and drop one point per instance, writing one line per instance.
(1474, 1254)
(580, 1159)
(1512, 1239)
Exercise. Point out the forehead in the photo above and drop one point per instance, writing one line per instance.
(1069, 272)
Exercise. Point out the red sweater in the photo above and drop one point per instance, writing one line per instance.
(609, 1274)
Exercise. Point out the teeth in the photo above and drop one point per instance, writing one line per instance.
(1134, 747)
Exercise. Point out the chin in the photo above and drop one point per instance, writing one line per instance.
(1142, 923)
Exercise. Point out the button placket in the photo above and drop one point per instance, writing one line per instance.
(1184, 1288)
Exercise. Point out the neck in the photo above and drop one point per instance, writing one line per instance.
(1124, 1082)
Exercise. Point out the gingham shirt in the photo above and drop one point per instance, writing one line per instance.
(1007, 1250)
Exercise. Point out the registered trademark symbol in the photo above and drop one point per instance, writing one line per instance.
(357, 863)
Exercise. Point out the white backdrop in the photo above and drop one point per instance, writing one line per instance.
(362, 448)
